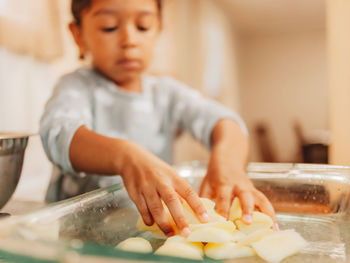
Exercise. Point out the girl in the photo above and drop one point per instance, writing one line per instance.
(113, 119)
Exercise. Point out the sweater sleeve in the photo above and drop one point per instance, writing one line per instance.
(68, 108)
(196, 114)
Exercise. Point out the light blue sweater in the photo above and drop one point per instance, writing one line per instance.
(150, 118)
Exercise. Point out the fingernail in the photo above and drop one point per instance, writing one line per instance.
(185, 232)
(149, 222)
(247, 219)
(276, 226)
(204, 217)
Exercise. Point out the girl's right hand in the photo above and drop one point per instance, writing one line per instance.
(149, 180)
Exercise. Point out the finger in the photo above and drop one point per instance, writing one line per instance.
(143, 209)
(247, 202)
(158, 213)
(205, 190)
(266, 207)
(192, 199)
(223, 199)
(140, 203)
(175, 207)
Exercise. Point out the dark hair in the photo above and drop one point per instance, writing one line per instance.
(78, 6)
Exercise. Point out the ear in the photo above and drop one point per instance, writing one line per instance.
(77, 33)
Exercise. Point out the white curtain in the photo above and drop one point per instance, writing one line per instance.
(31, 27)
(30, 39)
(25, 85)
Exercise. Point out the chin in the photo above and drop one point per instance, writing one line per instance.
(126, 76)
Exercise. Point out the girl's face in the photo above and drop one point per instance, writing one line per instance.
(119, 35)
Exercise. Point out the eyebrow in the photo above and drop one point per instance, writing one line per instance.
(114, 12)
(105, 12)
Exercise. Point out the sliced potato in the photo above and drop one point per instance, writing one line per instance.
(260, 221)
(181, 239)
(209, 206)
(227, 251)
(215, 232)
(176, 238)
(254, 236)
(228, 226)
(235, 210)
(249, 229)
(279, 245)
(210, 234)
(237, 236)
(190, 215)
(225, 239)
(135, 244)
(180, 249)
(259, 217)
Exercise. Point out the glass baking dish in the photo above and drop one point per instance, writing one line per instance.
(312, 199)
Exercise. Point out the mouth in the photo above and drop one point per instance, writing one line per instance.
(130, 63)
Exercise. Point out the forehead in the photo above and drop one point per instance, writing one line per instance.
(112, 7)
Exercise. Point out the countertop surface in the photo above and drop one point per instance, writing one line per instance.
(19, 207)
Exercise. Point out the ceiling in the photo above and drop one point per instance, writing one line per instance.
(271, 16)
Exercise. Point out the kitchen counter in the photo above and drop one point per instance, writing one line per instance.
(19, 207)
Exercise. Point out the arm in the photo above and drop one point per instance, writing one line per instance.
(222, 130)
(74, 147)
(195, 114)
(226, 176)
(146, 178)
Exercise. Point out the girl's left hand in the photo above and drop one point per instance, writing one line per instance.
(224, 181)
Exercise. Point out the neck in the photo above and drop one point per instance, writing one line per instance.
(132, 85)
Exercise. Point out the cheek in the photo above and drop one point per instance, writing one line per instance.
(103, 47)
(99, 43)
(148, 47)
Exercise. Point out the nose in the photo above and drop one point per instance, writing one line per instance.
(128, 36)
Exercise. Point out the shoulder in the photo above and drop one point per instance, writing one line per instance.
(78, 75)
(79, 79)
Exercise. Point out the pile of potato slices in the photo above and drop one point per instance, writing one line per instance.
(221, 238)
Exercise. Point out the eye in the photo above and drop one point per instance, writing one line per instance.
(109, 29)
(142, 28)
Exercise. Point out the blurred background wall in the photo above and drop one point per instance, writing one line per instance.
(338, 36)
(271, 61)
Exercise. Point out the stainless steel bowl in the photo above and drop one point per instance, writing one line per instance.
(12, 148)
